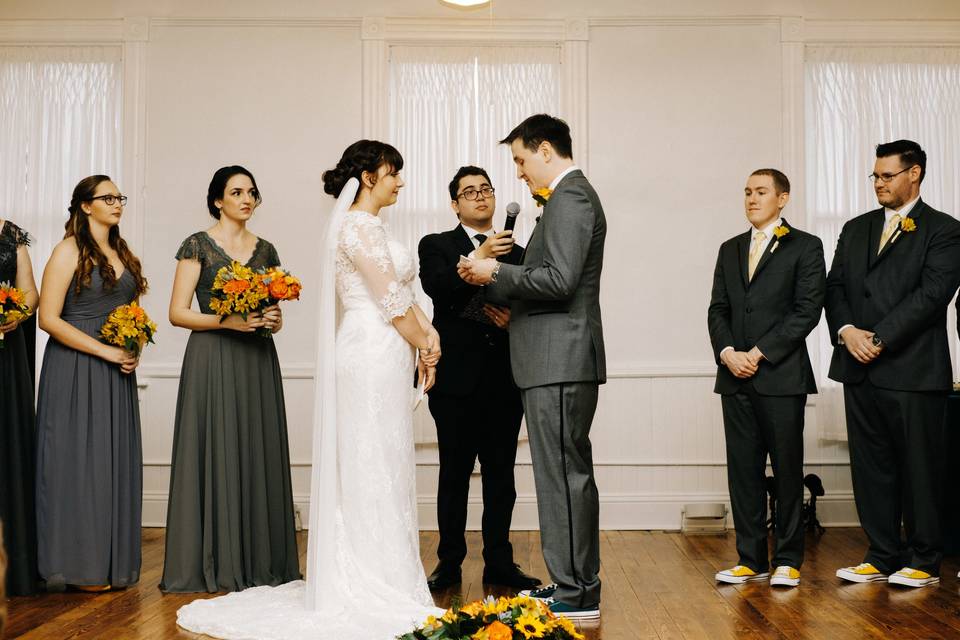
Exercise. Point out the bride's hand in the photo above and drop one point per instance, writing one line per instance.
(430, 379)
(431, 355)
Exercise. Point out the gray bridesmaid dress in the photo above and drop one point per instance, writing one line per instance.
(89, 459)
(230, 522)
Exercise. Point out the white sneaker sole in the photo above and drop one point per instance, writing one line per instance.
(913, 582)
(784, 581)
(728, 579)
(581, 615)
(850, 576)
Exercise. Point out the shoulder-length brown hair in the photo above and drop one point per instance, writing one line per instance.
(78, 227)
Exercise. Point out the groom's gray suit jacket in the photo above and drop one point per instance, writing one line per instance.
(555, 330)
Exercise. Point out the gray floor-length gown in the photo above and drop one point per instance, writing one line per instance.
(230, 522)
(89, 459)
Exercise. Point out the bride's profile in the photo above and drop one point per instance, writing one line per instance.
(364, 577)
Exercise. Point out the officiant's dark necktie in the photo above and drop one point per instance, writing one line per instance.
(481, 238)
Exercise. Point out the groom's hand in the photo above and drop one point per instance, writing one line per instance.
(477, 272)
(499, 316)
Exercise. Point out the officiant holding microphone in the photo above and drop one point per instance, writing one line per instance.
(475, 404)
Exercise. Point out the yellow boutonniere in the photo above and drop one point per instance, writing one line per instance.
(542, 195)
(908, 225)
(779, 232)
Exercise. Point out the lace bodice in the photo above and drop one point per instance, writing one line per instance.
(12, 238)
(372, 271)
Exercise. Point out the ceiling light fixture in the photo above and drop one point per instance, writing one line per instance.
(465, 4)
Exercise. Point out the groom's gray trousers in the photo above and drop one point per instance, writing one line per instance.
(558, 424)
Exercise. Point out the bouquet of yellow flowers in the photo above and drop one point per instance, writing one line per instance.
(243, 290)
(130, 327)
(497, 619)
(13, 306)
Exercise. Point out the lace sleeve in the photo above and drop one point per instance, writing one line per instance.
(191, 249)
(20, 237)
(365, 243)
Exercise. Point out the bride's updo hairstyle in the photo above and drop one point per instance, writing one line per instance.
(362, 155)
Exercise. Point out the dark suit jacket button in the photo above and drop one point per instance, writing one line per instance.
(749, 309)
(866, 293)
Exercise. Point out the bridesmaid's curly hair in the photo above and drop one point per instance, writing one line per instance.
(78, 227)
(362, 155)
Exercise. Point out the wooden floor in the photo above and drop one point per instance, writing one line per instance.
(655, 585)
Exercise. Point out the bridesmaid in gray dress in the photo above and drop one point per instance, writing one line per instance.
(230, 522)
(89, 460)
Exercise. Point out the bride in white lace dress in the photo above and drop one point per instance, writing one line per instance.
(364, 577)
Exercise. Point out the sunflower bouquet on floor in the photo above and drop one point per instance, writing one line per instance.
(243, 290)
(497, 619)
(13, 306)
(130, 327)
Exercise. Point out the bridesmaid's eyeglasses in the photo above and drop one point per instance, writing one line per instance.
(110, 199)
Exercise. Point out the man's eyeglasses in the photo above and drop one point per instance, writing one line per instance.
(887, 177)
(110, 199)
(474, 194)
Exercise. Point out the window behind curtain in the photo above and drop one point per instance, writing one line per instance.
(449, 107)
(857, 98)
(60, 121)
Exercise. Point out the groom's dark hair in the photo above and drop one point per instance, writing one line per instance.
(463, 172)
(543, 128)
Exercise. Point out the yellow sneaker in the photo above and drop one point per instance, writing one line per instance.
(740, 574)
(785, 576)
(913, 578)
(865, 572)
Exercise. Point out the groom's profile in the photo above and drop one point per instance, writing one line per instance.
(557, 354)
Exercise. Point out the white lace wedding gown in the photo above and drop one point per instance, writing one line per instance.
(368, 583)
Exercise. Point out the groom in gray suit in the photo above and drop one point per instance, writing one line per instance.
(556, 350)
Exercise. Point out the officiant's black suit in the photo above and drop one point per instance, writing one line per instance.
(763, 414)
(475, 404)
(895, 404)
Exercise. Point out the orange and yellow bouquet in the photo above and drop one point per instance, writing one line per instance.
(497, 619)
(243, 290)
(130, 327)
(13, 306)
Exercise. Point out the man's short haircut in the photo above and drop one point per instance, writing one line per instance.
(910, 154)
(543, 128)
(780, 181)
(463, 172)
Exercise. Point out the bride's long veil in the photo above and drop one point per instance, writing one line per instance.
(322, 572)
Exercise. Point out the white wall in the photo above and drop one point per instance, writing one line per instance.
(677, 108)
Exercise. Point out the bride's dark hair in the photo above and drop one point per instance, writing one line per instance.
(362, 155)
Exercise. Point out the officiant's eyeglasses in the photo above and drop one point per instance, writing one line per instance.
(473, 194)
(110, 199)
(887, 177)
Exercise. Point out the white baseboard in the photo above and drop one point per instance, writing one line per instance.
(617, 512)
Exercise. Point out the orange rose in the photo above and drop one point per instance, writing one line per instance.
(279, 289)
(496, 630)
(3, 296)
(236, 286)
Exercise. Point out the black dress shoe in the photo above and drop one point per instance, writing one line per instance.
(443, 577)
(509, 577)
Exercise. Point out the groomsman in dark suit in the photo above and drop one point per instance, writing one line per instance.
(475, 404)
(768, 291)
(893, 276)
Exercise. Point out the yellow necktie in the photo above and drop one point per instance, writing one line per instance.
(888, 230)
(756, 252)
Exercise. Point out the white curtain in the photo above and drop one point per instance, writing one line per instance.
(857, 98)
(449, 107)
(60, 121)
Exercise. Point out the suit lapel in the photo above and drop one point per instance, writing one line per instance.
(877, 221)
(462, 240)
(899, 236)
(743, 257)
(769, 250)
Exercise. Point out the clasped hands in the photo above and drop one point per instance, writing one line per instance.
(859, 342)
(427, 362)
(479, 269)
(742, 364)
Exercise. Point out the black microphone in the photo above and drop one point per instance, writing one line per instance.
(513, 210)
